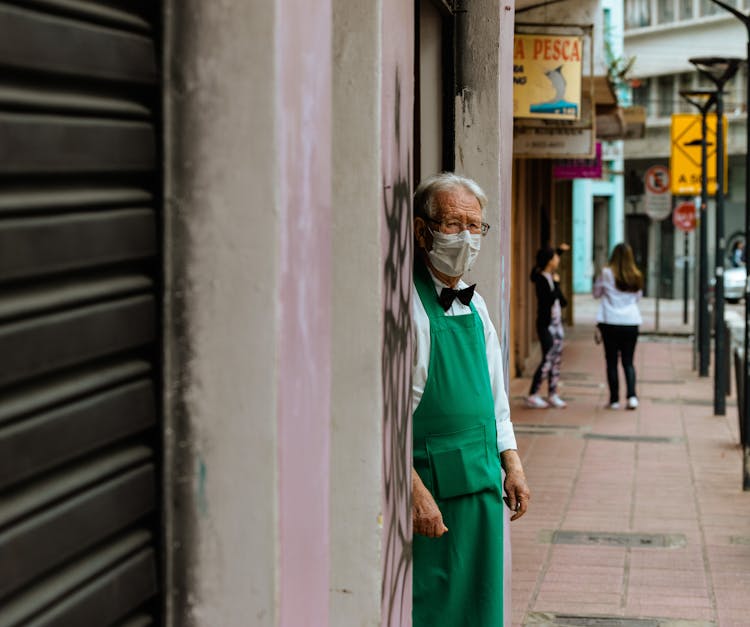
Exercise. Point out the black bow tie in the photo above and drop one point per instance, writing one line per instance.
(448, 295)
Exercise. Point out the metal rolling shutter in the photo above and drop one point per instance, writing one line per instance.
(79, 313)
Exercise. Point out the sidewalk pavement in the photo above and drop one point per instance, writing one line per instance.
(655, 495)
(670, 314)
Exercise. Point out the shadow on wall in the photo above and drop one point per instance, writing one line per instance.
(396, 369)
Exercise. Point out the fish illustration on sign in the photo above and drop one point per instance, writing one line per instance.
(557, 104)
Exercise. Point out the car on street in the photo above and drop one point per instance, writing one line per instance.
(734, 284)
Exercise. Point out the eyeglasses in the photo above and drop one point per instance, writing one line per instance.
(452, 227)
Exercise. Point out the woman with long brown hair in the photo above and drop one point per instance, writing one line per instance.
(620, 286)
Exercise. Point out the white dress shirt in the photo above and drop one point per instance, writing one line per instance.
(617, 307)
(506, 439)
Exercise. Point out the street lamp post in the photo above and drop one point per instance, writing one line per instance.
(703, 100)
(719, 70)
(745, 418)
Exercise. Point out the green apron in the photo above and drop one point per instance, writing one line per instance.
(458, 578)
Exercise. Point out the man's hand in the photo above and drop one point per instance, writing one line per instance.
(564, 247)
(428, 521)
(515, 483)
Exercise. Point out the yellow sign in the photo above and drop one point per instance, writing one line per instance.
(547, 76)
(685, 162)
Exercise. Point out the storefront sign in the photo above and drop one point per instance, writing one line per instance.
(580, 168)
(552, 143)
(556, 139)
(547, 76)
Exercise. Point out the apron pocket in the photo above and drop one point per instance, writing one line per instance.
(459, 462)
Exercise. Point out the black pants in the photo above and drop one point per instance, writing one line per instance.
(619, 340)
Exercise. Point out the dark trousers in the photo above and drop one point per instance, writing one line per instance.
(619, 340)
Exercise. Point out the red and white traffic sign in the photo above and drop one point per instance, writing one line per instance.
(657, 179)
(658, 200)
(683, 216)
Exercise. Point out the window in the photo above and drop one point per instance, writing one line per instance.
(641, 89)
(664, 11)
(734, 93)
(709, 8)
(637, 13)
(665, 95)
(687, 9)
(685, 81)
(704, 82)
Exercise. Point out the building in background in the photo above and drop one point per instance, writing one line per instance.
(567, 175)
(660, 37)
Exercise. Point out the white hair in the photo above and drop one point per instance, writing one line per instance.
(424, 197)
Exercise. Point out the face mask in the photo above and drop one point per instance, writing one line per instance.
(454, 254)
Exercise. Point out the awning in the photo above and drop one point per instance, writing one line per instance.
(604, 92)
(635, 122)
(613, 121)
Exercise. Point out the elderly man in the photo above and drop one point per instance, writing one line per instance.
(461, 419)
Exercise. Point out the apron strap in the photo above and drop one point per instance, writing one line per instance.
(427, 293)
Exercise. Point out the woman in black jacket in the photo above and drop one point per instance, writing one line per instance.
(550, 301)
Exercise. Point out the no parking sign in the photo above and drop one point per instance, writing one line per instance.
(658, 201)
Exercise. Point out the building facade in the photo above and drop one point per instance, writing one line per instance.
(549, 208)
(661, 36)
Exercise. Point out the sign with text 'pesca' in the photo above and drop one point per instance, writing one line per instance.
(547, 76)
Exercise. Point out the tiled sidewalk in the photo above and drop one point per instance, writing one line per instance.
(669, 468)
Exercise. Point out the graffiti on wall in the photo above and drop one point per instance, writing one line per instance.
(397, 363)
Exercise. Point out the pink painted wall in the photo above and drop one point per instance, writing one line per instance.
(305, 311)
(505, 81)
(397, 111)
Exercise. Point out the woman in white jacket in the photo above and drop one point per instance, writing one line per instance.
(620, 286)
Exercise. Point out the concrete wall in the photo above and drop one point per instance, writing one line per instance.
(220, 380)
(666, 48)
(303, 297)
(397, 103)
(484, 111)
(247, 312)
(357, 397)
(288, 401)
(484, 152)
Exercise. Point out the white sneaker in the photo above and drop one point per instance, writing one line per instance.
(614, 405)
(536, 402)
(556, 401)
(632, 402)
